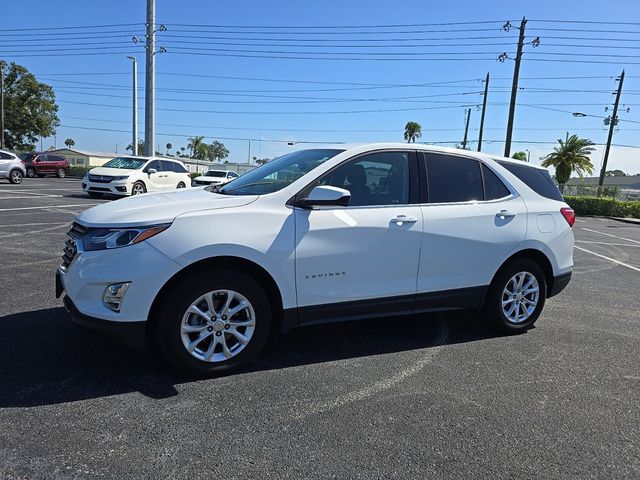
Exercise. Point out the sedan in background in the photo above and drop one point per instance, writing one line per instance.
(134, 176)
(214, 177)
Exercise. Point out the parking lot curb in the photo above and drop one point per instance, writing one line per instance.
(633, 221)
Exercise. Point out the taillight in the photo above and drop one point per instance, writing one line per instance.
(569, 215)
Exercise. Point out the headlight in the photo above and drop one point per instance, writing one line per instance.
(124, 177)
(106, 238)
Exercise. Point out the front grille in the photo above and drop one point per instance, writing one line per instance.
(100, 179)
(201, 182)
(70, 246)
(99, 189)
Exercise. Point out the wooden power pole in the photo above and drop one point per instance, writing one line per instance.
(612, 125)
(484, 110)
(514, 89)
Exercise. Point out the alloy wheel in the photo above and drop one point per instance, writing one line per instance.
(218, 325)
(520, 297)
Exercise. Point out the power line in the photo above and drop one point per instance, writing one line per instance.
(73, 27)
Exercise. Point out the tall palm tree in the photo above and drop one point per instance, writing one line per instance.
(69, 142)
(195, 145)
(169, 147)
(570, 156)
(412, 130)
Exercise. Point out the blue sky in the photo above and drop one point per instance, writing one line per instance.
(192, 99)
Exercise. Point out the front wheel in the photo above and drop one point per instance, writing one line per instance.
(213, 324)
(31, 172)
(16, 176)
(138, 188)
(516, 297)
(61, 173)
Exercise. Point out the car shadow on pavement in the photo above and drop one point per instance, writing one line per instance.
(45, 360)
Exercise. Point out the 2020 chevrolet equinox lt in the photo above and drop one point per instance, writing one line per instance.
(318, 236)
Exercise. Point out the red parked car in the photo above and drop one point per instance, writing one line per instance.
(42, 164)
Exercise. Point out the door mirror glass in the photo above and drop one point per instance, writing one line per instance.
(325, 195)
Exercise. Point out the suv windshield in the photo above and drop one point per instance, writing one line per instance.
(278, 173)
(124, 162)
(27, 157)
(215, 173)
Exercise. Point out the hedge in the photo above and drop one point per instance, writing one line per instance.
(603, 206)
(76, 171)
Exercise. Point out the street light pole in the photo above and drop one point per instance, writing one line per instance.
(134, 142)
(150, 86)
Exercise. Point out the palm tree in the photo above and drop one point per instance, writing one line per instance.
(522, 156)
(169, 147)
(69, 142)
(570, 156)
(194, 145)
(412, 130)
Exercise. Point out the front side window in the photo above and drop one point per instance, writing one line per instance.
(124, 162)
(374, 179)
(155, 164)
(453, 179)
(278, 174)
(232, 175)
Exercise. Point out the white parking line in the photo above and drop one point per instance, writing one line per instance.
(608, 258)
(34, 224)
(25, 198)
(48, 206)
(612, 244)
(610, 235)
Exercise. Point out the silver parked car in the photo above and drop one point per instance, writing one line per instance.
(11, 167)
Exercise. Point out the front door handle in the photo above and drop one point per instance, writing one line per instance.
(400, 219)
(505, 214)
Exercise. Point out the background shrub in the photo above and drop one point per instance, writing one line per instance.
(603, 206)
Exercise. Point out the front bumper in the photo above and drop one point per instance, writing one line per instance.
(131, 334)
(120, 187)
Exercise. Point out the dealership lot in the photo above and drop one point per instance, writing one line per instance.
(434, 396)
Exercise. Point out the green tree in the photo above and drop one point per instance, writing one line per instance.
(140, 147)
(572, 155)
(261, 161)
(194, 145)
(412, 130)
(30, 109)
(217, 151)
(69, 142)
(169, 147)
(520, 156)
(615, 173)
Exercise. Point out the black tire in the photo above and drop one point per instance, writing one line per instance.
(61, 173)
(31, 172)
(96, 194)
(15, 176)
(138, 188)
(492, 310)
(179, 299)
(181, 185)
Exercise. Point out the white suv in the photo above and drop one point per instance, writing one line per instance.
(11, 167)
(134, 175)
(319, 236)
(214, 177)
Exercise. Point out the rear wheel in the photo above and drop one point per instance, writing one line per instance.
(15, 176)
(61, 173)
(138, 188)
(181, 185)
(210, 325)
(31, 172)
(516, 297)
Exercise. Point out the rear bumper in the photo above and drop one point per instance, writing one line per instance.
(131, 334)
(559, 284)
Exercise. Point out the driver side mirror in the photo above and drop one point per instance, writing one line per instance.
(325, 196)
(151, 170)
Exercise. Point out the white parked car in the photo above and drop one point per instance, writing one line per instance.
(135, 175)
(214, 177)
(319, 236)
(11, 167)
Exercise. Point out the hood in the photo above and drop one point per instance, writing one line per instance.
(112, 172)
(154, 208)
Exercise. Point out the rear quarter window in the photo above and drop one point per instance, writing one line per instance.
(536, 179)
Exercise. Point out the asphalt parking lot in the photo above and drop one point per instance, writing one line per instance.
(431, 397)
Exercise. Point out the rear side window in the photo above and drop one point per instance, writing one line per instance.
(536, 179)
(453, 179)
(493, 186)
(176, 167)
(5, 156)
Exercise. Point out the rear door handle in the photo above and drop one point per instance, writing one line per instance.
(400, 219)
(505, 214)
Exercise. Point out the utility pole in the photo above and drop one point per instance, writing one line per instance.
(150, 84)
(466, 129)
(134, 142)
(484, 109)
(1, 107)
(249, 154)
(514, 89)
(612, 126)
